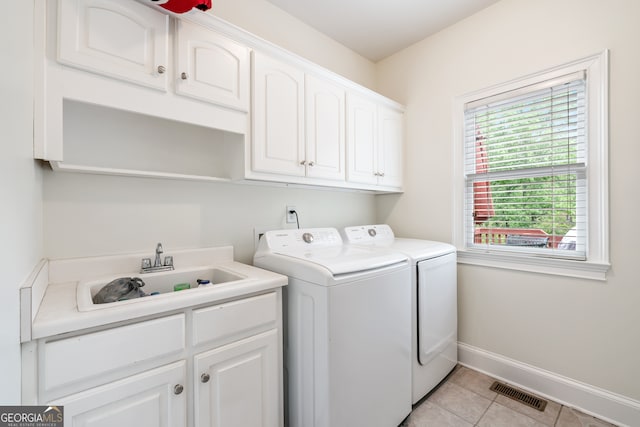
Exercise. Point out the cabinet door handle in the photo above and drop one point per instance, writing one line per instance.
(381, 174)
(312, 163)
(205, 378)
(161, 69)
(178, 388)
(184, 76)
(304, 162)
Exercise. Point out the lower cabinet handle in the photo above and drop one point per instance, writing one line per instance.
(312, 163)
(304, 162)
(205, 378)
(184, 76)
(178, 388)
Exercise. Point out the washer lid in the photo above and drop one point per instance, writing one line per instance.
(346, 259)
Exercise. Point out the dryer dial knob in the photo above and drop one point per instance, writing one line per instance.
(372, 232)
(307, 237)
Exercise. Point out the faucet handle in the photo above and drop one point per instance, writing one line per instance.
(168, 261)
(146, 263)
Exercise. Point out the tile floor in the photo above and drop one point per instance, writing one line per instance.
(464, 400)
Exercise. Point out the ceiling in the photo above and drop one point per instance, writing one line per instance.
(375, 28)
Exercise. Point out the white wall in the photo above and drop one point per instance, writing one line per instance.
(271, 23)
(88, 215)
(587, 331)
(20, 186)
(92, 215)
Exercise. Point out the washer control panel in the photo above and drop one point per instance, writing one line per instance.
(278, 240)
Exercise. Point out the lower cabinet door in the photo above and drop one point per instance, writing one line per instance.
(237, 384)
(156, 398)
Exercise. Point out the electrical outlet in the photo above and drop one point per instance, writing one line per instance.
(291, 217)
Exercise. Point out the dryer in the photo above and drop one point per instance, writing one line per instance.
(347, 329)
(434, 318)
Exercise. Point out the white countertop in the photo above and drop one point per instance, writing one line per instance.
(58, 311)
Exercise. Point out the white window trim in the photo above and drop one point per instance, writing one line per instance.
(597, 262)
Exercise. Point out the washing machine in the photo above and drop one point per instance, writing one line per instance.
(347, 329)
(434, 318)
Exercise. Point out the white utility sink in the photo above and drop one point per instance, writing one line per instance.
(161, 282)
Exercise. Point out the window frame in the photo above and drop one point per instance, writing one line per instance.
(596, 264)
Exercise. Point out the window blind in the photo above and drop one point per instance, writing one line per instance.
(525, 170)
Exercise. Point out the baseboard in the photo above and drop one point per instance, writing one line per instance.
(591, 400)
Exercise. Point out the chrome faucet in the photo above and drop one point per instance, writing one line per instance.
(159, 251)
(158, 265)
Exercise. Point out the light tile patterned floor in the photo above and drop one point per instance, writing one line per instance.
(464, 400)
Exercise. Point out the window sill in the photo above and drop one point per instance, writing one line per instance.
(559, 267)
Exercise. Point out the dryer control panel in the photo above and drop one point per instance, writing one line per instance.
(365, 234)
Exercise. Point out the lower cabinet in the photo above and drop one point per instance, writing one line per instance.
(237, 384)
(155, 398)
(217, 365)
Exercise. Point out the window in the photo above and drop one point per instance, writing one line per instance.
(531, 172)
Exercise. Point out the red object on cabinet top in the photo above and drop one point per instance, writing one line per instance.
(182, 6)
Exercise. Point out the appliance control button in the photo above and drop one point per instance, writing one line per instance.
(307, 237)
(372, 232)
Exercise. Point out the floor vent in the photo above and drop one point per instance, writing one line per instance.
(520, 396)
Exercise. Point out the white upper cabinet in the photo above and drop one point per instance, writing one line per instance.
(268, 115)
(362, 125)
(390, 146)
(325, 129)
(211, 67)
(278, 117)
(375, 141)
(118, 38)
(298, 122)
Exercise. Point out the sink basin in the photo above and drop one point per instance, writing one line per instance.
(161, 282)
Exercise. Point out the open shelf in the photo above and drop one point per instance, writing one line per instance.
(104, 140)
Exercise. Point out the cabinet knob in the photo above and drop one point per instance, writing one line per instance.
(178, 389)
(304, 162)
(205, 378)
(184, 76)
(312, 163)
(161, 69)
(381, 174)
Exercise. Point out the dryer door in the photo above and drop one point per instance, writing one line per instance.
(437, 308)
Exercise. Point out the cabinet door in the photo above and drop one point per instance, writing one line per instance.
(118, 38)
(390, 147)
(278, 117)
(362, 140)
(325, 129)
(237, 384)
(150, 399)
(211, 67)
